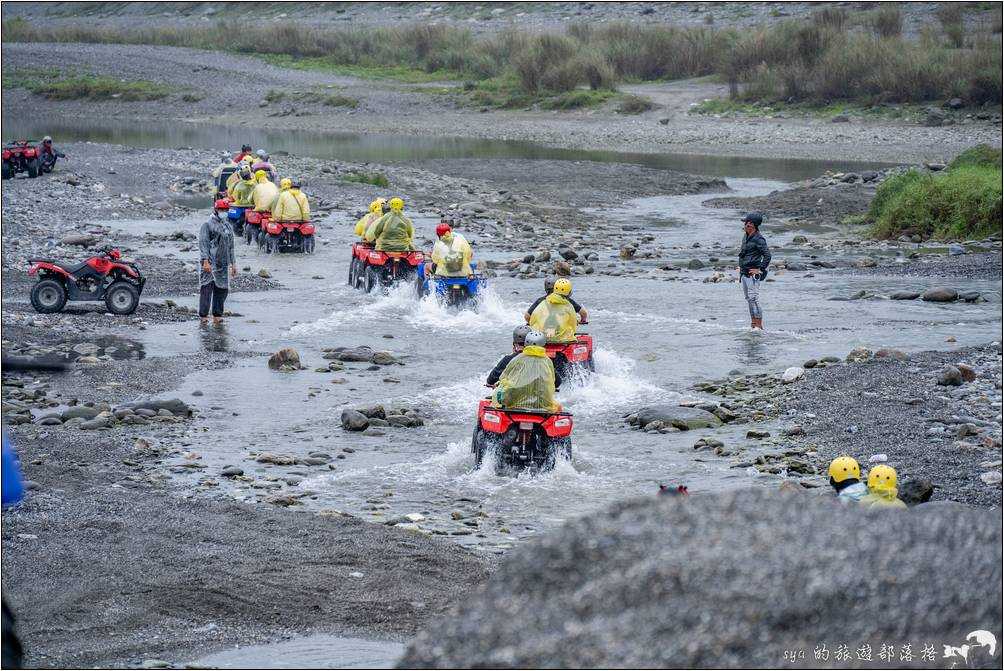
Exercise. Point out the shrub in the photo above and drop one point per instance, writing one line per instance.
(963, 203)
(374, 178)
(982, 156)
(830, 17)
(887, 21)
(632, 104)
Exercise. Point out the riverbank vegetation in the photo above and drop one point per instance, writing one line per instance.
(57, 85)
(834, 57)
(963, 202)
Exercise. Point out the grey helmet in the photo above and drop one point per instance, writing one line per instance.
(535, 338)
(519, 334)
(46, 139)
(262, 154)
(548, 285)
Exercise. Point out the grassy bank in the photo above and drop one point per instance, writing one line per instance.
(58, 85)
(964, 202)
(835, 57)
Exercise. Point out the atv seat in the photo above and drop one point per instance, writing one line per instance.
(72, 267)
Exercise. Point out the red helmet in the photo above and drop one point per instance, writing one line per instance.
(443, 229)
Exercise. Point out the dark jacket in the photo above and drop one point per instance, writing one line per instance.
(493, 377)
(753, 254)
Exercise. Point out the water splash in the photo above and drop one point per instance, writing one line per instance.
(492, 314)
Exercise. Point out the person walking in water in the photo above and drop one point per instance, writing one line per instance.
(754, 257)
(216, 252)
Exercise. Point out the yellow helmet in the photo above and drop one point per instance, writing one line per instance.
(396, 204)
(260, 175)
(882, 478)
(247, 159)
(844, 468)
(377, 205)
(285, 183)
(563, 287)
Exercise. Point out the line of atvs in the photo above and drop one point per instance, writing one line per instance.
(257, 228)
(371, 270)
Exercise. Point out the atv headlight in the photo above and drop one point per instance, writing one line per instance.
(581, 349)
(562, 423)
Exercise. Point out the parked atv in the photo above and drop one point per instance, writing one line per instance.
(21, 156)
(287, 236)
(221, 181)
(384, 269)
(519, 439)
(106, 277)
(452, 291)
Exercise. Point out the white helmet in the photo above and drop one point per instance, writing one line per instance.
(46, 139)
(535, 338)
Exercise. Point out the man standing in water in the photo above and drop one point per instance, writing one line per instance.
(754, 257)
(216, 251)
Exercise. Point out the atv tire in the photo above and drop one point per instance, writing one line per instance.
(8, 172)
(372, 279)
(272, 244)
(353, 272)
(48, 296)
(33, 169)
(121, 298)
(308, 244)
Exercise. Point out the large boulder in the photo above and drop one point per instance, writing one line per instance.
(678, 416)
(353, 420)
(726, 581)
(285, 359)
(940, 295)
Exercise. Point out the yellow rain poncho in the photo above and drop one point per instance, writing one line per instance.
(264, 195)
(392, 233)
(555, 318)
(882, 498)
(291, 205)
(452, 256)
(232, 182)
(527, 383)
(364, 224)
(243, 192)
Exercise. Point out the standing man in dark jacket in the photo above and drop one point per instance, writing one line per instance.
(754, 257)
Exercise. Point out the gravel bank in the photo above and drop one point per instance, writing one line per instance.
(729, 581)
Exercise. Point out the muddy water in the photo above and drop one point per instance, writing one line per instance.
(384, 147)
(654, 338)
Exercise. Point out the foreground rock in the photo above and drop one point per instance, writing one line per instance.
(285, 359)
(603, 591)
(682, 418)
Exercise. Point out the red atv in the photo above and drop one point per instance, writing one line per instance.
(21, 156)
(357, 266)
(383, 269)
(254, 227)
(520, 439)
(286, 236)
(106, 277)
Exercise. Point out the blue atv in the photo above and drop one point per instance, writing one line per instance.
(452, 291)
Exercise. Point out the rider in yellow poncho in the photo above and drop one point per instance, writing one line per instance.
(373, 216)
(264, 193)
(882, 492)
(555, 317)
(243, 191)
(234, 178)
(451, 255)
(291, 205)
(394, 231)
(527, 383)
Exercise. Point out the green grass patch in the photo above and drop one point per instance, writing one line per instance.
(981, 156)
(374, 178)
(854, 219)
(56, 85)
(330, 99)
(810, 109)
(580, 98)
(961, 203)
(401, 73)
